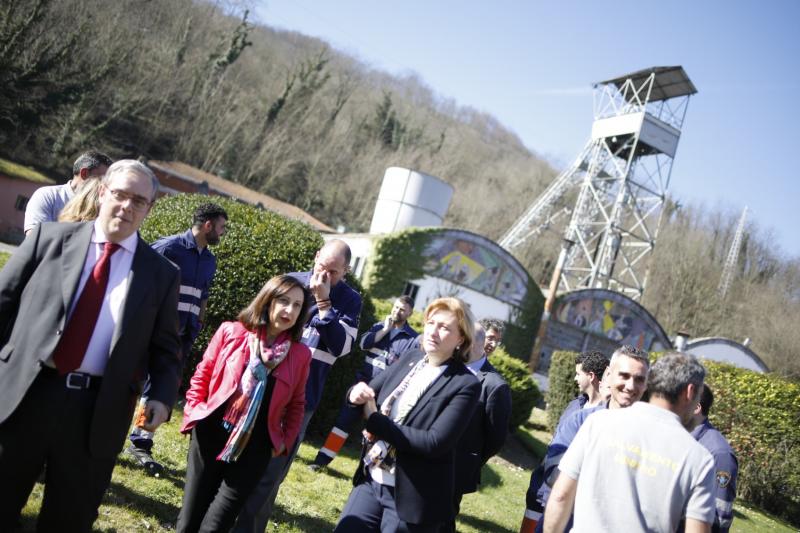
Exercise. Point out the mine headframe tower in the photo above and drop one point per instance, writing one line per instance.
(621, 177)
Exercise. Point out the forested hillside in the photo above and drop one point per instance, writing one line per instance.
(284, 114)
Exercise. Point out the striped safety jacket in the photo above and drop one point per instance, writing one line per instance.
(727, 469)
(331, 337)
(381, 354)
(197, 271)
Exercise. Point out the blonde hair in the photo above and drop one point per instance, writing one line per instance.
(465, 323)
(84, 205)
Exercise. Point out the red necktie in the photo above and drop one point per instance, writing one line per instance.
(73, 345)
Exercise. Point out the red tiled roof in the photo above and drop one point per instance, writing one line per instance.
(225, 187)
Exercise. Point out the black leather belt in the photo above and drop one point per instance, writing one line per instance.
(72, 380)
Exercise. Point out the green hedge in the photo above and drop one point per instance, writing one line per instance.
(524, 391)
(562, 386)
(759, 414)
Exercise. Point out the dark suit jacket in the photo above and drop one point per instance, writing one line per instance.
(425, 443)
(487, 429)
(37, 286)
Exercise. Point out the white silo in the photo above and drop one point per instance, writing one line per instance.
(410, 199)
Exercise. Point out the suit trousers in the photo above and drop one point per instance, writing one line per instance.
(371, 508)
(51, 427)
(257, 511)
(215, 491)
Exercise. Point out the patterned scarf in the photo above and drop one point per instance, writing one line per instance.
(381, 453)
(243, 406)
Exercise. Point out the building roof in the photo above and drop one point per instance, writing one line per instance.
(669, 82)
(225, 187)
(13, 170)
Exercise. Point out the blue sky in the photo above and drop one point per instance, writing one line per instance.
(531, 64)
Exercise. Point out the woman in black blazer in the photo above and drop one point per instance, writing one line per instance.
(415, 412)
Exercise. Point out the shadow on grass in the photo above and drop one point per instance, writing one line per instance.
(518, 454)
(119, 495)
(490, 478)
(173, 475)
(301, 521)
(479, 524)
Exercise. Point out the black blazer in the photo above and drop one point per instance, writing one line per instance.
(425, 443)
(37, 286)
(487, 429)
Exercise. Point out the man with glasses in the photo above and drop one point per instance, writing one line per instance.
(189, 251)
(47, 202)
(87, 311)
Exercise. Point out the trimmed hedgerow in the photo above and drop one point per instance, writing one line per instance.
(758, 413)
(524, 391)
(563, 388)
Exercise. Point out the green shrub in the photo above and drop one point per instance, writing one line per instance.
(257, 246)
(562, 386)
(758, 413)
(524, 391)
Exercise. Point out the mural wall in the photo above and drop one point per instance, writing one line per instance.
(466, 259)
(603, 320)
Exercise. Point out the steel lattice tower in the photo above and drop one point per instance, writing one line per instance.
(622, 176)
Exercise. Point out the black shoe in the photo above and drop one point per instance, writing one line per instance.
(145, 460)
(314, 467)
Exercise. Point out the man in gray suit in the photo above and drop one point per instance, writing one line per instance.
(487, 429)
(87, 311)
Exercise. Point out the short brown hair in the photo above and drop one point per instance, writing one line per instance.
(255, 314)
(465, 323)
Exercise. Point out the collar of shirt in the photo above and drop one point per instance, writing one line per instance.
(475, 366)
(129, 243)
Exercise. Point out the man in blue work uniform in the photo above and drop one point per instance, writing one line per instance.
(189, 251)
(627, 378)
(383, 344)
(330, 333)
(589, 370)
(725, 463)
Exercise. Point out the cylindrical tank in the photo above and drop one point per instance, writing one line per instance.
(410, 199)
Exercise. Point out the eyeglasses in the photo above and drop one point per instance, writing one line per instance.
(139, 203)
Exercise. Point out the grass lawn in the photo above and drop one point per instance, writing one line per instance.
(311, 502)
(3, 258)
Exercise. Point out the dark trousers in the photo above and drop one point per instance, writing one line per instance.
(215, 491)
(51, 426)
(450, 527)
(257, 511)
(371, 507)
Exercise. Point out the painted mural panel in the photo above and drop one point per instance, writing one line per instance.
(599, 319)
(469, 260)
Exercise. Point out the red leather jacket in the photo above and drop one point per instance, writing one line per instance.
(220, 371)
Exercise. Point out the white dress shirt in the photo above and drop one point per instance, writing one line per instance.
(94, 362)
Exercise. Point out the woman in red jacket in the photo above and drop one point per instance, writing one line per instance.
(245, 404)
